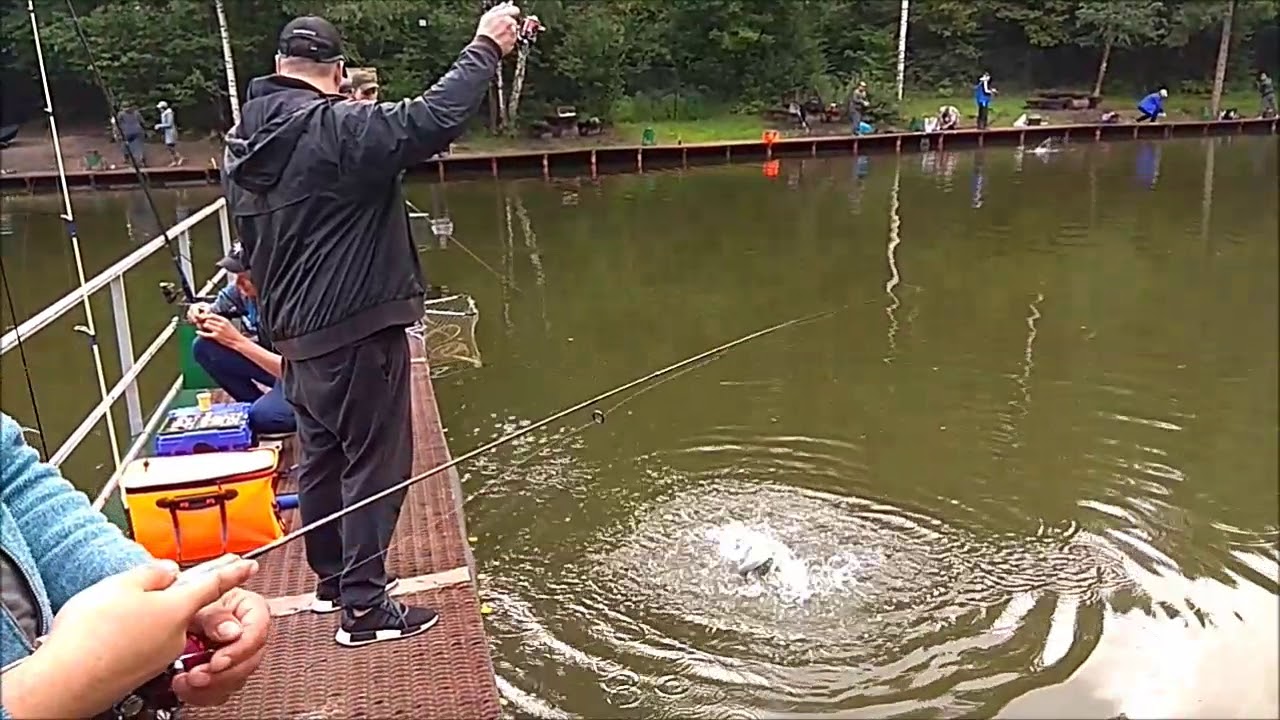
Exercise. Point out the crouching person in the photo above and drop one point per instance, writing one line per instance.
(243, 364)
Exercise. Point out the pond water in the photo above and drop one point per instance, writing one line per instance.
(1026, 467)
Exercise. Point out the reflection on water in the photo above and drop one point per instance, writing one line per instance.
(1057, 498)
(1147, 164)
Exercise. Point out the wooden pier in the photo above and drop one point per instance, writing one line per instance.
(445, 673)
(579, 161)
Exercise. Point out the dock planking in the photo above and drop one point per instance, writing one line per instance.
(446, 672)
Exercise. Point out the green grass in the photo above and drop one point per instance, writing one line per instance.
(729, 128)
(726, 128)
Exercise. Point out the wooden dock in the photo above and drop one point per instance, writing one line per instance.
(573, 162)
(445, 673)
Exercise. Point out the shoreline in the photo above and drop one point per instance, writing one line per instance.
(598, 159)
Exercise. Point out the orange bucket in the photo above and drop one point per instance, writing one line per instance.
(769, 137)
(192, 508)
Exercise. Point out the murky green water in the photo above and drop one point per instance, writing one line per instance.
(1029, 467)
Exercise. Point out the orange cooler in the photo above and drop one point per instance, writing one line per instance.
(192, 508)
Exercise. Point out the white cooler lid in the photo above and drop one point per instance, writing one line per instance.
(154, 473)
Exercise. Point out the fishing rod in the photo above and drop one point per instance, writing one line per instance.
(188, 294)
(211, 565)
(22, 355)
(69, 219)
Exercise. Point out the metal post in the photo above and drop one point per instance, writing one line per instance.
(124, 344)
(184, 244)
(224, 228)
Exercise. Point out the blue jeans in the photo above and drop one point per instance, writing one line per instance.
(270, 413)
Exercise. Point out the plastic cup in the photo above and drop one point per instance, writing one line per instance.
(204, 400)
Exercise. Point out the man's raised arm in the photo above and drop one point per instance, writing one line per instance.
(405, 133)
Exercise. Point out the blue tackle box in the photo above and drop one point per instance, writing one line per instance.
(188, 430)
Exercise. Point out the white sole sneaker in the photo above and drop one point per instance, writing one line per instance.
(347, 639)
(324, 607)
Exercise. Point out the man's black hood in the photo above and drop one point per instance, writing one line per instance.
(275, 117)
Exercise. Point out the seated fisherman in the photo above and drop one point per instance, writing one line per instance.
(241, 364)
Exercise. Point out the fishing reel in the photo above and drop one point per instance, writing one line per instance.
(156, 699)
(530, 25)
(171, 293)
(530, 28)
(174, 296)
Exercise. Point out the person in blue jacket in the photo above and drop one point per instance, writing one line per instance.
(982, 95)
(88, 616)
(242, 363)
(1152, 106)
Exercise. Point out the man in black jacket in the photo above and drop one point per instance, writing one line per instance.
(313, 182)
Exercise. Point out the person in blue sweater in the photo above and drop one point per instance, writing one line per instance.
(982, 96)
(88, 616)
(1152, 106)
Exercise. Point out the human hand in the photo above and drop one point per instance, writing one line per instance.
(499, 24)
(116, 635)
(237, 623)
(219, 330)
(198, 310)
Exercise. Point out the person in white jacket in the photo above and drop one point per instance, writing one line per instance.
(169, 128)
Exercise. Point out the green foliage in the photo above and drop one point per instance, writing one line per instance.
(1123, 24)
(641, 60)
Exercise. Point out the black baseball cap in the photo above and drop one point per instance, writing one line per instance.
(234, 262)
(311, 37)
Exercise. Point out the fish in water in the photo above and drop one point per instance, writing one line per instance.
(756, 560)
(1048, 145)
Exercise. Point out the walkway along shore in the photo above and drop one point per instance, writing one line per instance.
(571, 162)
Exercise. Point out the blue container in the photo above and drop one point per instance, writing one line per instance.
(189, 430)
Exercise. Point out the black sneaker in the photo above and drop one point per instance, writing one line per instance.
(326, 603)
(390, 621)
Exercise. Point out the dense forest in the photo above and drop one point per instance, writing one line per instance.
(647, 59)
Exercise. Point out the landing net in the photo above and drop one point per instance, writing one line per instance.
(447, 331)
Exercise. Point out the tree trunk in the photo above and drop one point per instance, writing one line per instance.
(1224, 48)
(233, 93)
(493, 108)
(1102, 69)
(502, 103)
(517, 85)
(902, 46)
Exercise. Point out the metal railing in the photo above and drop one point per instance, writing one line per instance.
(131, 366)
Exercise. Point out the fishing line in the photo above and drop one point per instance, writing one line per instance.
(22, 355)
(187, 293)
(505, 439)
(598, 417)
(414, 209)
